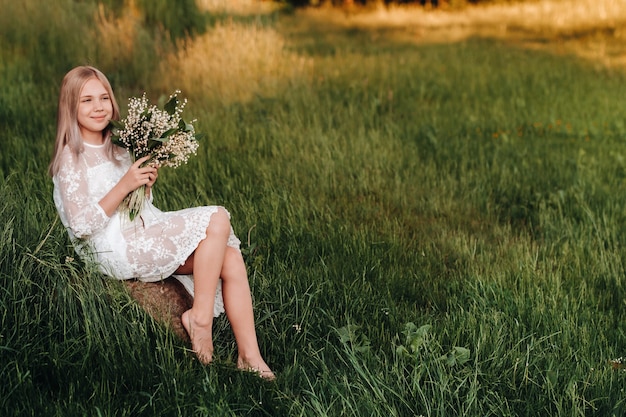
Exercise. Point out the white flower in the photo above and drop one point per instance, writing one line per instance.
(161, 134)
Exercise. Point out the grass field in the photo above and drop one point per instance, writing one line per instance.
(431, 211)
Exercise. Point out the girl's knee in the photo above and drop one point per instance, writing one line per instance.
(234, 267)
(219, 222)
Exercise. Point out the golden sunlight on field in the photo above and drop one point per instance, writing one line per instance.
(542, 14)
(593, 29)
(240, 7)
(235, 61)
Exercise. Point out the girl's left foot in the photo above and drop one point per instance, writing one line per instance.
(261, 368)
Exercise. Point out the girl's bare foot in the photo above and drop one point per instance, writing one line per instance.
(201, 335)
(257, 366)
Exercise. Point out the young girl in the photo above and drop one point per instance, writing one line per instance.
(91, 178)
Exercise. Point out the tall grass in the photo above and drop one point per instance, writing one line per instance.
(429, 229)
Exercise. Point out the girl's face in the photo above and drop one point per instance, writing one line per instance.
(94, 111)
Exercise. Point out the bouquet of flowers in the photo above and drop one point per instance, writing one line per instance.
(159, 133)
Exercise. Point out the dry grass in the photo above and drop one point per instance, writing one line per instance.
(540, 15)
(233, 62)
(238, 7)
(119, 34)
(593, 29)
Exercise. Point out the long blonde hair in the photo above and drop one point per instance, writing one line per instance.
(68, 131)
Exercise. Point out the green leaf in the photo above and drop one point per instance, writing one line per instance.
(169, 132)
(401, 351)
(117, 124)
(170, 106)
(347, 333)
(357, 342)
(154, 142)
(416, 337)
(457, 356)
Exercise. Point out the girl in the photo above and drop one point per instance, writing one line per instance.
(91, 178)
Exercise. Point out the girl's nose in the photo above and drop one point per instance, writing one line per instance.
(98, 105)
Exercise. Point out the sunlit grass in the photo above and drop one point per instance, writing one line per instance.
(588, 28)
(119, 34)
(243, 60)
(238, 7)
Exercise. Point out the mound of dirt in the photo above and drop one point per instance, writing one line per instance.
(165, 301)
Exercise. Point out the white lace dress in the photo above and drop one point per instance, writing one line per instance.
(149, 248)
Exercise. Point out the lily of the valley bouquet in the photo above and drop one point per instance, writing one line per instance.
(159, 133)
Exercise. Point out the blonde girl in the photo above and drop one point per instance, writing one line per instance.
(92, 176)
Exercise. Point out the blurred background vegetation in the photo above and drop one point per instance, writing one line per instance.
(370, 3)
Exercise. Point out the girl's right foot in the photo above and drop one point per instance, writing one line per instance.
(201, 336)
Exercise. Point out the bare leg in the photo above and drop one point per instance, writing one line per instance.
(210, 261)
(207, 265)
(238, 306)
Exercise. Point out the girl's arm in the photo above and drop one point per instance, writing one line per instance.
(72, 194)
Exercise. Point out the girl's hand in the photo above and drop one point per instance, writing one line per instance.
(152, 177)
(136, 176)
(151, 180)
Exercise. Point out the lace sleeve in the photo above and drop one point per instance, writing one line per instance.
(76, 201)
